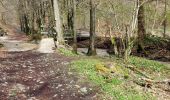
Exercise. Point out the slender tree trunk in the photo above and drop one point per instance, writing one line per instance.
(92, 49)
(26, 27)
(58, 26)
(74, 26)
(51, 14)
(2, 18)
(165, 20)
(69, 15)
(155, 15)
(127, 45)
(21, 23)
(141, 26)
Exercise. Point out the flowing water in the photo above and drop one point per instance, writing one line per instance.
(100, 52)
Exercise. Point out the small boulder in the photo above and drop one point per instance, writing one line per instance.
(84, 90)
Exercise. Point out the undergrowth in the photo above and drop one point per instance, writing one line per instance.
(155, 40)
(148, 64)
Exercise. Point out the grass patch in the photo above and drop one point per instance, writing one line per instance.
(116, 89)
(66, 52)
(148, 64)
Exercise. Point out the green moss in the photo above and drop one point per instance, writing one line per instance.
(66, 52)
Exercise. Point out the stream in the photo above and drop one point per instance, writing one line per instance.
(100, 52)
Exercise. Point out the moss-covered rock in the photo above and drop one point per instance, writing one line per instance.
(108, 68)
(101, 68)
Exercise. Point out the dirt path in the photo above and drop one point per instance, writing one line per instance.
(30, 75)
(14, 33)
(15, 41)
(16, 45)
(35, 76)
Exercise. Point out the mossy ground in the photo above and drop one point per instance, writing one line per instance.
(121, 86)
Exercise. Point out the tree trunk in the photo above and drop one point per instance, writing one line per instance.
(69, 15)
(141, 26)
(26, 27)
(92, 49)
(58, 26)
(165, 20)
(74, 26)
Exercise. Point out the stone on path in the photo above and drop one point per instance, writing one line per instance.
(46, 45)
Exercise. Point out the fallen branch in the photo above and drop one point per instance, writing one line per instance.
(167, 81)
(148, 83)
(138, 71)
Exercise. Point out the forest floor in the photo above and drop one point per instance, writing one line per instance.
(34, 76)
(139, 79)
(62, 75)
